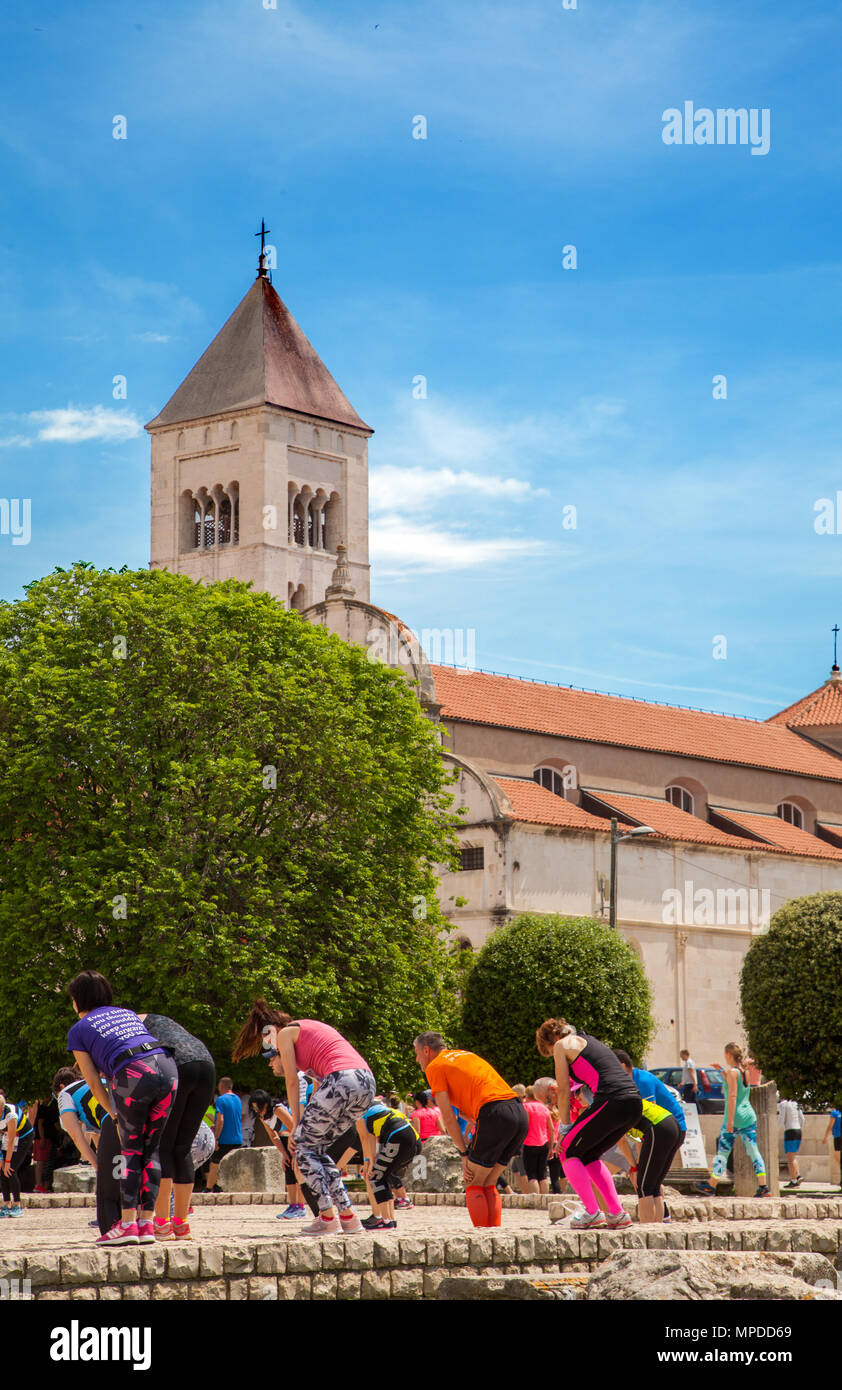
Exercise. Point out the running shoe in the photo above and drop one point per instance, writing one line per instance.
(181, 1230)
(4, 1211)
(389, 1225)
(350, 1224)
(163, 1230)
(707, 1189)
(375, 1223)
(145, 1233)
(120, 1234)
(667, 1219)
(320, 1227)
(41, 1188)
(15, 1211)
(762, 1191)
(404, 1203)
(585, 1220)
(617, 1221)
(292, 1213)
(795, 1182)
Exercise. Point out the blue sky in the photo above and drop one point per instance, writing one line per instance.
(547, 388)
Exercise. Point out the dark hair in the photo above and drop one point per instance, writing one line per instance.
(262, 1103)
(434, 1041)
(623, 1057)
(90, 990)
(249, 1039)
(549, 1033)
(63, 1077)
(420, 1098)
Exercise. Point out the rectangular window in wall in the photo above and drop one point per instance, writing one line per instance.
(472, 859)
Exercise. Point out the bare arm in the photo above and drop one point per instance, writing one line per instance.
(449, 1120)
(70, 1124)
(85, 1064)
(286, 1040)
(550, 1131)
(562, 1077)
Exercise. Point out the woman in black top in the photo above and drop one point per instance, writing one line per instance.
(196, 1085)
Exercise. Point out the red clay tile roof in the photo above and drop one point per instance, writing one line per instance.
(823, 707)
(539, 806)
(669, 821)
(475, 697)
(781, 834)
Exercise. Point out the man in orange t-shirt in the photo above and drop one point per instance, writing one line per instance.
(471, 1084)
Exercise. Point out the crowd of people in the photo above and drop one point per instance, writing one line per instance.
(142, 1105)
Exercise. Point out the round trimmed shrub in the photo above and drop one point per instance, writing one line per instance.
(791, 990)
(553, 967)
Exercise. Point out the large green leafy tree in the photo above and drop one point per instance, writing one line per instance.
(553, 967)
(205, 797)
(791, 989)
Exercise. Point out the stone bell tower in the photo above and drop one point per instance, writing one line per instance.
(260, 463)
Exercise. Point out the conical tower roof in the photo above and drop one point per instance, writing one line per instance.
(259, 357)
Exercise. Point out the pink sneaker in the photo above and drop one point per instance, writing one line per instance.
(320, 1227)
(351, 1223)
(120, 1234)
(145, 1233)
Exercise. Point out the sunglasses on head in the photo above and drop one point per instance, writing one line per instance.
(268, 1052)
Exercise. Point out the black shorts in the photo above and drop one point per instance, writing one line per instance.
(535, 1161)
(222, 1149)
(500, 1131)
(660, 1144)
(837, 1143)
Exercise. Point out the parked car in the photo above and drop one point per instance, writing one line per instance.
(710, 1097)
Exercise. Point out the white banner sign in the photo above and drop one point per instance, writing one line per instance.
(693, 1149)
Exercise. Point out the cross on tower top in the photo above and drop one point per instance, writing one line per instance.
(835, 631)
(262, 268)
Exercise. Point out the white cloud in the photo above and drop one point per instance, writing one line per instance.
(151, 337)
(15, 441)
(72, 425)
(398, 546)
(419, 489)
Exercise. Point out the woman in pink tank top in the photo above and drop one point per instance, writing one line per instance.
(346, 1090)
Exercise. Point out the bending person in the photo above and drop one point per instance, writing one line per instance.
(467, 1081)
(142, 1080)
(196, 1082)
(18, 1135)
(346, 1090)
(278, 1123)
(615, 1108)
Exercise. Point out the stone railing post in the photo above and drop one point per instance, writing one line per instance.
(764, 1099)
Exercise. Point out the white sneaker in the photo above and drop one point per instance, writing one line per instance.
(585, 1220)
(320, 1227)
(350, 1224)
(618, 1222)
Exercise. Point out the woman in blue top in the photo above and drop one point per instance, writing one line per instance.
(142, 1079)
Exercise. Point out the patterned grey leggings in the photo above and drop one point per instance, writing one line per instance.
(342, 1098)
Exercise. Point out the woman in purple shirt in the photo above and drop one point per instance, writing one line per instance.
(142, 1081)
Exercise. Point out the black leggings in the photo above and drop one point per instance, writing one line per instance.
(11, 1184)
(393, 1156)
(290, 1177)
(196, 1084)
(107, 1176)
(556, 1174)
(603, 1123)
(660, 1143)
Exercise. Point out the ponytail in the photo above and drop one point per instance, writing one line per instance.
(549, 1033)
(250, 1036)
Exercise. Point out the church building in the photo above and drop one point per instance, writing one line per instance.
(260, 472)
